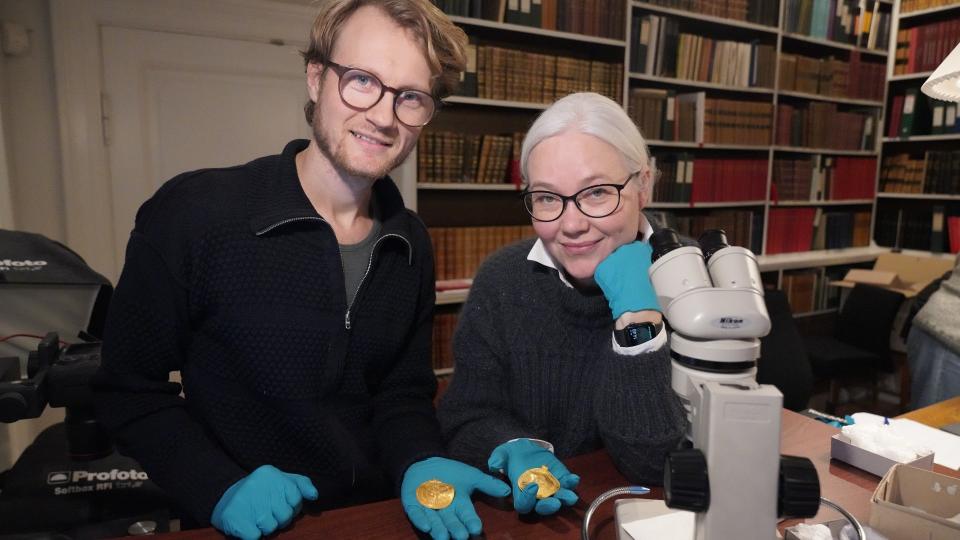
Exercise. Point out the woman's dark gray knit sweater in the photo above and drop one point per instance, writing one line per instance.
(534, 358)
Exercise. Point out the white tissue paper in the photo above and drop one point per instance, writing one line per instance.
(812, 532)
(879, 439)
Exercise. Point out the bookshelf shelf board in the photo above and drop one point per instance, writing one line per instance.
(816, 312)
(929, 11)
(910, 76)
(833, 44)
(718, 204)
(700, 84)
(706, 18)
(829, 151)
(707, 146)
(832, 99)
(467, 186)
(443, 371)
(923, 138)
(824, 257)
(453, 296)
(926, 196)
(521, 29)
(839, 202)
(465, 100)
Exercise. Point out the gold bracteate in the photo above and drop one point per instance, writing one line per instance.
(435, 494)
(547, 482)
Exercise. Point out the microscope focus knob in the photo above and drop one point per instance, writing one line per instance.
(799, 490)
(686, 485)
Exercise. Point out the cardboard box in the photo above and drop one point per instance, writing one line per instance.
(906, 274)
(916, 503)
(868, 461)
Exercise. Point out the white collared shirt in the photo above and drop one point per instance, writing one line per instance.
(538, 254)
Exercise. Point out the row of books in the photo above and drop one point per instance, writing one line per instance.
(602, 18)
(944, 231)
(915, 229)
(913, 113)
(923, 47)
(455, 157)
(832, 76)
(802, 288)
(908, 6)
(837, 230)
(856, 22)
(823, 178)
(444, 325)
(684, 178)
(809, 290)
(693, 117)
(791, 230)
(756, 11)
(660, 49)
(743, 227)
(514, 75)
(937, 172)
(822, 125)
(458, 251)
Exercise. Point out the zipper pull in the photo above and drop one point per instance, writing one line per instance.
(346, 320)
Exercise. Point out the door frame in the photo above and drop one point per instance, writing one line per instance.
(78, 70)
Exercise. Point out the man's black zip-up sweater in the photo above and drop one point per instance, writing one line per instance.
(232, 278)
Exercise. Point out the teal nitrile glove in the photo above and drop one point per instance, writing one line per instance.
(459, 520)
(624, 279)
(262, 502)
(515, 457)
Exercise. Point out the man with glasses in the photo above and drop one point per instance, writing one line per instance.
(295, 296)
(560, 347)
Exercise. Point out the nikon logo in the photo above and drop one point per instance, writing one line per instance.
(112, 474)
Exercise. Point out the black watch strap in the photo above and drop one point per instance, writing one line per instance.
(636, 333)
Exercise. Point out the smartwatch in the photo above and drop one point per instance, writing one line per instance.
(636, 333)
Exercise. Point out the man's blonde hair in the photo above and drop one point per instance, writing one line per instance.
(444, 44)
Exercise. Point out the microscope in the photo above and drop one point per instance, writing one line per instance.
(733, 477)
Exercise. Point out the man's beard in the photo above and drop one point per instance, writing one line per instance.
(339, 159)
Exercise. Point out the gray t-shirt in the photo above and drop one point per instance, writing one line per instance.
(356, 258)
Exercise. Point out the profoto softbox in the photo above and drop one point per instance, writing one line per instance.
(46, 287)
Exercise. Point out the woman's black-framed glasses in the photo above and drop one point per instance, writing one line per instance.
(362, 90)
(595, 201)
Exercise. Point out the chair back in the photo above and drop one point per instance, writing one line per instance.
(866, 319)
(783, 358)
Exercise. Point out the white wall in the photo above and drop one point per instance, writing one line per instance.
(32, 149)
(30, 124)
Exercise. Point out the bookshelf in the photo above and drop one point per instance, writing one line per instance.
(739, 35)
(919, 177)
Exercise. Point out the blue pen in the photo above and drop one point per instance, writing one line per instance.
(886, 421)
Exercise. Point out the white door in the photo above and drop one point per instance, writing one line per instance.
(175, 102)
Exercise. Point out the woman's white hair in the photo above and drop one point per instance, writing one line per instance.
(592, 114)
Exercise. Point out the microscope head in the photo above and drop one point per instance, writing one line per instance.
(713, 293)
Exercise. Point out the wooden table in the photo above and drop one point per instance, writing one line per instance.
(938, 414)
(800, 436)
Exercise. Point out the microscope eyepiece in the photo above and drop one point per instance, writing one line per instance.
(664, 241)
(712, 241)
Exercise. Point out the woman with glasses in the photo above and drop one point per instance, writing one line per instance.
(560, 348)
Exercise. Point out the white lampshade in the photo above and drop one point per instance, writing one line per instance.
(944, 84)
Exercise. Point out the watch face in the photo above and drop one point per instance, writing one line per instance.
(639, 333)
(636, 333)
